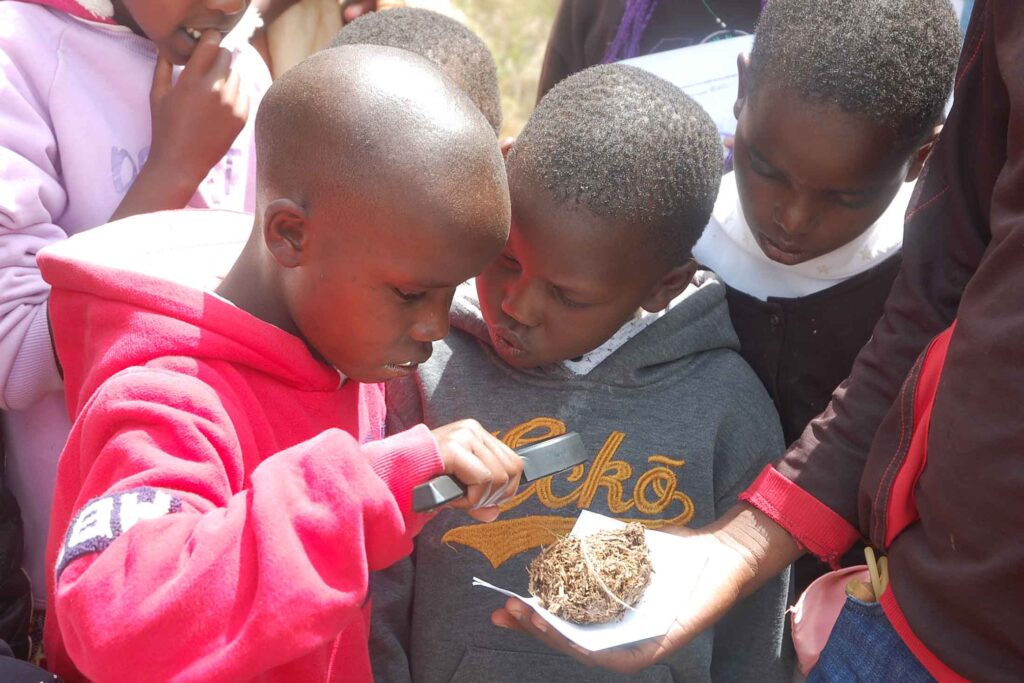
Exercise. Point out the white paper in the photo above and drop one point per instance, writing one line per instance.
(243, 31)
(653, 615)
(705, 72)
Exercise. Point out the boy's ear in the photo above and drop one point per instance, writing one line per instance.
(670, 286)
(285, 232)
(743, 82)
(921, 156)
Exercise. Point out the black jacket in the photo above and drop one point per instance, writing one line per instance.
(803, 348)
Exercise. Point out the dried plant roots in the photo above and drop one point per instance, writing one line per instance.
(593, 579)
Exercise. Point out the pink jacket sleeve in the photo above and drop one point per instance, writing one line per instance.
(31, 196)
(168, 528)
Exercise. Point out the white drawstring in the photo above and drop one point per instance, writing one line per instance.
(100, 8)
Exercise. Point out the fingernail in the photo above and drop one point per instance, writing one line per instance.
(540, 624)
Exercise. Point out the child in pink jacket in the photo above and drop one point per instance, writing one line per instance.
(109, 109)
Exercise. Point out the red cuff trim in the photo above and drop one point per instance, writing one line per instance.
(813, 524)
(404, 461)
(941, 672)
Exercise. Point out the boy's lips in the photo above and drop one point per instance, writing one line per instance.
(408, 366)
(196, 32)
(184, 43)
(401, 369)
(780, 251)
(506, 343)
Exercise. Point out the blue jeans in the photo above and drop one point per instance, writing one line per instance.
(865, 647)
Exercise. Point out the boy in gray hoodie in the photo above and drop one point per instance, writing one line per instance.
(594, 319)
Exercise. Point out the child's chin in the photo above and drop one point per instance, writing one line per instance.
(369, 375)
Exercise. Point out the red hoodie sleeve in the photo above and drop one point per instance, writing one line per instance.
(166, 530)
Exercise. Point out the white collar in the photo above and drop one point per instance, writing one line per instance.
(633, 327)
(728, 247)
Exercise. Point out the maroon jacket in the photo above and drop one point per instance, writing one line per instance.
(943, 498)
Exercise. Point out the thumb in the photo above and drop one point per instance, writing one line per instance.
(357, 8)
(506, 144)
(161, 80)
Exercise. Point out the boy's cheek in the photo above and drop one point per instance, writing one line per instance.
(488, 293)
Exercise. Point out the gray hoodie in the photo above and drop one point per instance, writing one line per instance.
(678, 424)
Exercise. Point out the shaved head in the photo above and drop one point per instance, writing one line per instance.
(452, 46)
(380, 188)
(375, 124)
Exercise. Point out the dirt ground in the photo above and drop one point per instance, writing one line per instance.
(517, 32)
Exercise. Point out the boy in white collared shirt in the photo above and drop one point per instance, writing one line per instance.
(837, 110)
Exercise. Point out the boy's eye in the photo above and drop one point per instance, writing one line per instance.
(508, 260)
(566, 301)
(763, 169)
(857, 201)
(408, 296)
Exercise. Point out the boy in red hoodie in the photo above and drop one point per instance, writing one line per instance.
(225, 491)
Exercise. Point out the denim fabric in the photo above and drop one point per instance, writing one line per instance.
(865, 647)
(16, 671)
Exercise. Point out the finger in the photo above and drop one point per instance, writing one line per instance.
(354, 10)
(485, 514)
(163, 77)
(530, 622)
(474, 474)
(513, 465)
(518, 616)
(516, 609)
(502, 619)
(505, 145)
(483, 448)
(504, 481)
(205, 54)
(510, 466)
(499, 474)
(220, 68)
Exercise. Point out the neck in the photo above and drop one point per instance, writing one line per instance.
(252, 286)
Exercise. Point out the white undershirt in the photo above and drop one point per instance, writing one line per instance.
(728, 247)
(633, 327)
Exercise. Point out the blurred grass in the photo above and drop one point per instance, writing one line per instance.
(517, 33)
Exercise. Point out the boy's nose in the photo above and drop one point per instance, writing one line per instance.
(521, 303)
(796, 217)
(433, 324)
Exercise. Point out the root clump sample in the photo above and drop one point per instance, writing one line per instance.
(593, 579)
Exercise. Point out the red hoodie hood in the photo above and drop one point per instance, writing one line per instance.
(151, 277)
(90, 10)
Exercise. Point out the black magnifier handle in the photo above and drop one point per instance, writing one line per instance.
(540, 459)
